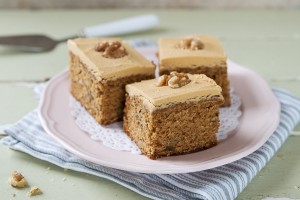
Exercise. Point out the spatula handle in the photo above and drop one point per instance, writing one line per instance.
(121, 27)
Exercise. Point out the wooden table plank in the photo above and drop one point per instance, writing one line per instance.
(251, 38)
(55, 182)
(16, 101)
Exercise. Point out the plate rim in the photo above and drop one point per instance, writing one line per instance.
(47, 123)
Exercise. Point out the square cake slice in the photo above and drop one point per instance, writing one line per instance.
(176, 114)
(195, 54)
(99, 70)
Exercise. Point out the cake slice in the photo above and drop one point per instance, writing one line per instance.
(176, 114)
(99, 70)
(196, 54)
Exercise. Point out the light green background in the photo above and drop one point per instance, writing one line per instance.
(266, 41)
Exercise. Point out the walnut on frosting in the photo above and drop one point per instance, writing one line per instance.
(192, 43)
(162, 80)
(174, 80)
(111, 49)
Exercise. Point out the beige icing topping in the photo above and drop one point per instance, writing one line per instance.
(109, 68)
(171, 56)
(158, 97)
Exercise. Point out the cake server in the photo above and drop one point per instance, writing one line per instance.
(42, 43)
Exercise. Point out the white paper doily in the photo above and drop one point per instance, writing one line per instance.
(114, 137)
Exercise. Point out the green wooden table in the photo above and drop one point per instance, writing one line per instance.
(266, 41)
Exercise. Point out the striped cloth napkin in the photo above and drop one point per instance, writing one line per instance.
(224, 182)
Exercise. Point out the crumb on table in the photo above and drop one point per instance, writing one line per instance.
(17, 180)
(34, 191)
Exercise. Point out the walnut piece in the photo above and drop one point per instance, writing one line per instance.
(162, 80)
(17, 180)
(34, 191)
(100, 47)
(174, 80)
(191, 43)
(111, 49)
(196, 44)
(178, 80)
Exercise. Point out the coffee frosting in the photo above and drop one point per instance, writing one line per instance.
(171, 56)
(109, 68)
(159, 97)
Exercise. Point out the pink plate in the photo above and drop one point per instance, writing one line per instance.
(259, 120)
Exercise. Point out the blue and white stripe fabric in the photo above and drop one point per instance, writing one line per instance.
(224, 182)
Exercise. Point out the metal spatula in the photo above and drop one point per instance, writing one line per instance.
(41, 43)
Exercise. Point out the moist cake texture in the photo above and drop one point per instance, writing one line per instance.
(99, 70)
(195, 54)
(164, 120)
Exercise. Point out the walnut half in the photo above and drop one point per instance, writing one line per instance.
(111, 49)
(191, 43)
(174, 80)
(162, 80)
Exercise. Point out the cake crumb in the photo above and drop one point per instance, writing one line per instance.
(48, 170)
(34, 191)
(17, 180)
(14, 195)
